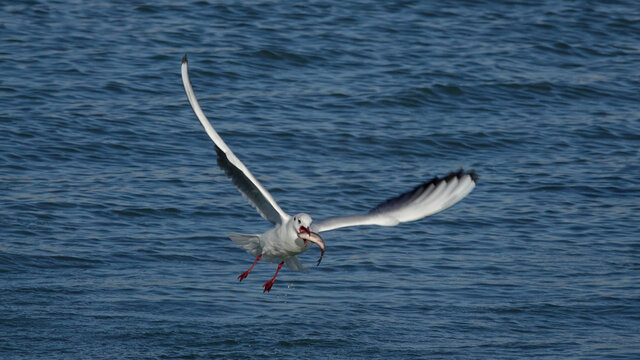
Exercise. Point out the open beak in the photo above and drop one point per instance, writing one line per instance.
(307, 235)
(304, 229)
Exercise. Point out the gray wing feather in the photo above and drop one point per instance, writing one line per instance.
(247, 184)
(426, 199)
(249, 190)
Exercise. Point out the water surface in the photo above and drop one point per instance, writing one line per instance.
(114, 214)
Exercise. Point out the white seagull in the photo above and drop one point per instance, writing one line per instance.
(291, 236)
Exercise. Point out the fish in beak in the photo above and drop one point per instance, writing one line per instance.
(307, 235)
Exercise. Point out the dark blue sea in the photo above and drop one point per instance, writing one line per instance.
(114, 214)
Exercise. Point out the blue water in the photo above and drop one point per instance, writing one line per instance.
(114, 215)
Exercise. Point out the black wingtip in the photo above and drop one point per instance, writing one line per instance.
(451, 175)
(184, 59)
(423, 187)
(457, 174)
(474, 176)
(462, 173)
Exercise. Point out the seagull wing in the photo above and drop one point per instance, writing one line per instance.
(424, 200)
(241, 177)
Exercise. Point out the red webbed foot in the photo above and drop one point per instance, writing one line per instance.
(243, 275)
(268, 285)
(246, 273)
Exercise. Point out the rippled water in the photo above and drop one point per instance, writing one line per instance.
(114, 214)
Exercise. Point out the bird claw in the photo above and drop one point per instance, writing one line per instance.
(319, 260)
(243, 275)
(268, 285)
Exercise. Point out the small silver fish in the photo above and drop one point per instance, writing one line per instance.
(314, 238)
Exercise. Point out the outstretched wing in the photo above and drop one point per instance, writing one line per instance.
(424, 200)
(241, 177)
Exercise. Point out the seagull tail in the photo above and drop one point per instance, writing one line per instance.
(249, 242)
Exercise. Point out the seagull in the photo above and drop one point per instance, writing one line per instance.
(293, 235)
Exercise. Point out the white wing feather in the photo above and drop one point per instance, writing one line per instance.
(249, 186)
(424, 200)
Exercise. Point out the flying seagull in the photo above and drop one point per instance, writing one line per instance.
(292, 235)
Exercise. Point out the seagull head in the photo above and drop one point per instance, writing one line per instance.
(302, 225)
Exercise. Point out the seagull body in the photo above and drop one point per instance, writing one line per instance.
(292, 235)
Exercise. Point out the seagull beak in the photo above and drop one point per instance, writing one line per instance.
(305, 229)
(314, 238)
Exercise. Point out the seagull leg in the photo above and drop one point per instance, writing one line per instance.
(246, 273)
(269, 284)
